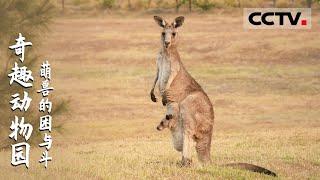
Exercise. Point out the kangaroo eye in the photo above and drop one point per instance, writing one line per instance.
(163, 33)
(173, 34)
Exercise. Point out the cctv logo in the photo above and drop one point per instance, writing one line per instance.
(277, 18)
(281, 15)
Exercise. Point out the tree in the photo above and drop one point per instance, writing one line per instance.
(27, 17)
(30, 18)
(179, 3)
(239, 3)
(149, 4)
(62, 3)
(177, 6)
(292, 2)
(129, 4)
(309, 3)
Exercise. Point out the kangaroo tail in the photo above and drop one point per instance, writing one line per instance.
(251, 167)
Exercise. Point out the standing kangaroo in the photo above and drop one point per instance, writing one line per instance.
(189, 110)
(190, 113)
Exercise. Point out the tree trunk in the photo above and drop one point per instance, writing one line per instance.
(129, 4)
(239, 3)
(177, 6)
(149, 3)
(309, 3)
(190, 5)
(62, 3)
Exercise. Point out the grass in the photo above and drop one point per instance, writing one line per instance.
(264, 85)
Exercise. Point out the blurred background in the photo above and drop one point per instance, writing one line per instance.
(264, 84)
(72, 6)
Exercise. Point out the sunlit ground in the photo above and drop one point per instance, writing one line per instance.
(265, 86)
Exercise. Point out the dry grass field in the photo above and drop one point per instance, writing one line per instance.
(265, 86)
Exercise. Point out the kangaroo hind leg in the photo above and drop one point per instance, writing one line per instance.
(203, 146)
(188, 132)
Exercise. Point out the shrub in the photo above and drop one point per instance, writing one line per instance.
(231, 3)
(107, 4)
(78, 2)
(204, 5)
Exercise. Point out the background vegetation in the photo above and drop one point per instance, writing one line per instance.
(71, 6)
(31, 18)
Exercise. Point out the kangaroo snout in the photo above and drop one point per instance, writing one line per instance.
(162, 125)
(167, 43)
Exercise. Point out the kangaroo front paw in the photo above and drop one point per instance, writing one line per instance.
(153, 97)
(164, 101)
(169, 116)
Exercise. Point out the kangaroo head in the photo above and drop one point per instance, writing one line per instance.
(169, 34)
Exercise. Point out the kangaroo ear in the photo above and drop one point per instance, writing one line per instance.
(178, 21)
(160, 21)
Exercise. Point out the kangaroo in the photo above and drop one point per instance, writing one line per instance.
(190, 114)
(188, 107)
